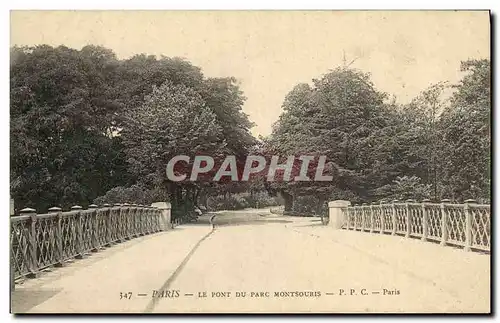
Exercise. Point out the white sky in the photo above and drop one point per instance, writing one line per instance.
(271, 51)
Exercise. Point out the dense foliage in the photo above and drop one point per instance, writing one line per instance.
(434, 147)
(88, 127)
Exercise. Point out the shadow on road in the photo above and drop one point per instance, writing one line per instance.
(240, 217)
(230, 219)
(23, 300)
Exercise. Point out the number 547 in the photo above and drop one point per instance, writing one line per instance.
(126, 295)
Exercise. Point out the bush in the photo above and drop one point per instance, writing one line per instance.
(308, 206)
(260, 200)
(407, 187)
(221, 202)
(241, 201)
(134, 194)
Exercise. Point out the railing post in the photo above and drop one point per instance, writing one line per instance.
(95, 228)
(346, 216)
(107, 239)
(363, 217)
(134, 220)
(149, 222)
(352, 217)
(408, 218)
(382, 218)
(444, 224)
(425, 220)
(118, 222)
(371, 218)
(58, 236)
(394, 217)
(12, 270)
(345, 212)
(157, 223)
(145, 214)
(154, 220)
(355, 212)
(126, 217)
(140, 224)
(12, 262)
(79, 231)
(468, 224)
(139, 220)
(32, 251)
(123, 222)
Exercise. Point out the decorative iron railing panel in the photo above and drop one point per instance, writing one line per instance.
(467, 225)
(376, 214)
(69, 224)
(359, 220)
(367, 220)
(46, 231)
(87, 219)
(41, 240)
(455, 222)
(20, 244)
(401, 218)
(416, 215)
(387, 212)
(102, 229)
(434, 216)
(481, 226)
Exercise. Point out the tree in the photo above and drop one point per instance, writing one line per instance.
(410, 187)
(335, 117)
(423, 114)
(71, 115)
(139, 74)
(63, 112)
(173, 120)
(465, 129)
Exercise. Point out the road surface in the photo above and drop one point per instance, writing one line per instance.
(256, 262)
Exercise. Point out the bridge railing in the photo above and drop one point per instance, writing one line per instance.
(467, 225)
(38, 241)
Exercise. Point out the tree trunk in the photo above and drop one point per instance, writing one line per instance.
(288, 198)
(319, 208)
(173, 192)
(196, 195)
(203, 198)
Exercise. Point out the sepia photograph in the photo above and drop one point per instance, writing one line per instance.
(250, 162)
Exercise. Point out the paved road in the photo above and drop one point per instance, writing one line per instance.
(275, 264)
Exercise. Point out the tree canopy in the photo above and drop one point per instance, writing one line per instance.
(433, 147)
(84, 122)
(86, 126)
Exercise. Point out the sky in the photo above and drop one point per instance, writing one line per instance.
(269, 52)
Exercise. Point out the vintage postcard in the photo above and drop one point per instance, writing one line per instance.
(250, 162)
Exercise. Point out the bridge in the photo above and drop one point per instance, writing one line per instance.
(394, 257)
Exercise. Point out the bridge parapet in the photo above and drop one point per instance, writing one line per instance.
(336, 214)
(166, 214)
(38, 241)
(467, 225)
